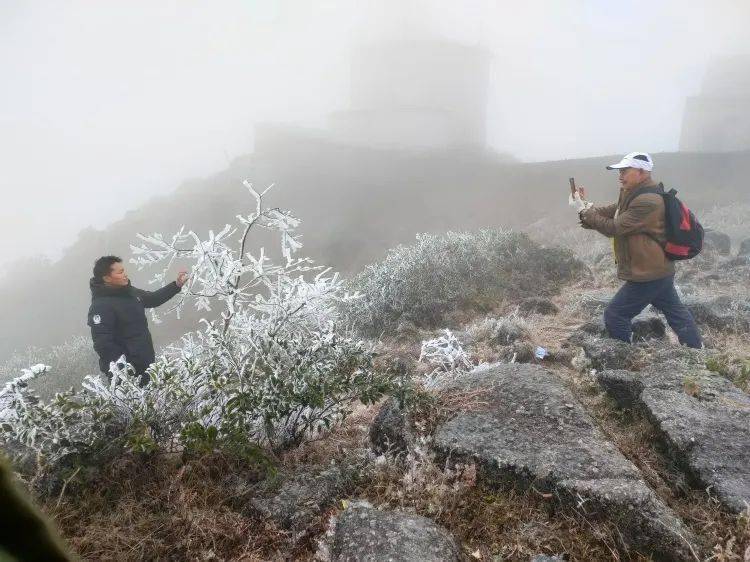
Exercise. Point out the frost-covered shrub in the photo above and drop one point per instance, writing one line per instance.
(500, 331)
(46, 438)
(68, 364)
(586, 245)
(445, 354)
(439, 274)
(278, 382)
(277, 366)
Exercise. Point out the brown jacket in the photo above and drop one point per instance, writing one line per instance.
(636, 222)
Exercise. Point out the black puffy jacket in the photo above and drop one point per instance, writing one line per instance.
(118, 322)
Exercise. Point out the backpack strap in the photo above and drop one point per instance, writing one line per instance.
(657, 190)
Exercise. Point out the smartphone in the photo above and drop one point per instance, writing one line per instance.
(572, 186)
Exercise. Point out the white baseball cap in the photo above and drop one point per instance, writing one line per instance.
(641, 160)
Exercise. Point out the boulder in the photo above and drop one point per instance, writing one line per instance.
(648, 326)
(717, 241)
(302, 497)
(721, 313)
(702, 418)
(529, 430)
(363, 533)
(538, 305)
(623, 386)
(390, 431)
(605, 352)
(744, 248)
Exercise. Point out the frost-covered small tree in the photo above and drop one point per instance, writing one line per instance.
(285, 365)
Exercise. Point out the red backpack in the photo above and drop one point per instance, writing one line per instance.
(684, 232)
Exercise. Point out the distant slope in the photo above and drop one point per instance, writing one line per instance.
(355, 203)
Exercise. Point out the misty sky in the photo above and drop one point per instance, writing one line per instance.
(106, 103)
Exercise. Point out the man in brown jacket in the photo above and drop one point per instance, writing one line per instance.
(637, 224)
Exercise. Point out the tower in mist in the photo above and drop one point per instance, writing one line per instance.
(418, 94)
(718, 120)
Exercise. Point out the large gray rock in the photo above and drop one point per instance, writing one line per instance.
(717, 241)
(302, 497)
(366, 534)
(721, 313)
(529, 430)
(605, 352)
(648, 326)
(702, 418)
(744, 248)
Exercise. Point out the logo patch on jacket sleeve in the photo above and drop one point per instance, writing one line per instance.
(97, 319)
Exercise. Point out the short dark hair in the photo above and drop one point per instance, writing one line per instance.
(103, 266)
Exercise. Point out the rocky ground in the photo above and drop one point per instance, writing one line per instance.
(589, 449)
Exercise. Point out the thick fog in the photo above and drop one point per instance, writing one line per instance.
(106, 104)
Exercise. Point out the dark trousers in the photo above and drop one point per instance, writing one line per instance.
(141, 373)
(633, 297)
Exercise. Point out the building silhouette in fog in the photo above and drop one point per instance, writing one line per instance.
(416, 94)
(718, 120)
(404, 95)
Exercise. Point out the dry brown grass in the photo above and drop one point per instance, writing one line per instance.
(493, 524)
(164, 510)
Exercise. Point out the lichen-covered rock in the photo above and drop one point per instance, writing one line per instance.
(529, 430)
(390, 431)
(537, 305)
(721, 313)
(702, 418)
(623, 386)
(608, 353)
(717, 241)
(365, 534)
(302, 497)
(647, 326)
